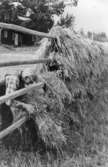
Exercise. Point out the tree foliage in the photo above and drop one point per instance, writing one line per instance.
(40, 16)
(67, 21)
(102, 37)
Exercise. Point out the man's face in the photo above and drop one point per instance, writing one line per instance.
(28, 80)
(28, 76)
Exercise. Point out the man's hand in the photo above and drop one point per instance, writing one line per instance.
(28, 107)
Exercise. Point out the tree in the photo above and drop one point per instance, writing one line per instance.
(82, 32)
(89, 34)
(40, 16)
(102, 37)
(67, 21)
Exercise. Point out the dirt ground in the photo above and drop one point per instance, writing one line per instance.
(15, 54)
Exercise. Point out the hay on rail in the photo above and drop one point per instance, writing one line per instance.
(70, 79)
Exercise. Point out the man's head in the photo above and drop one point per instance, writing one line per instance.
(28, 76)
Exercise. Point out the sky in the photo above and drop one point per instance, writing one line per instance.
(91, 15)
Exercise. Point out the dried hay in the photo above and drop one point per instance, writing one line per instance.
(71, 77)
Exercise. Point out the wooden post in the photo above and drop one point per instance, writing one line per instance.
(16, 40)
(0, 35)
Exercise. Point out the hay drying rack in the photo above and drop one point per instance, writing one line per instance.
(23, 91)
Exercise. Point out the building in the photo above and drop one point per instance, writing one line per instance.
(10, 13)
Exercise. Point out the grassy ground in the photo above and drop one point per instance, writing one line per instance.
(21, 159)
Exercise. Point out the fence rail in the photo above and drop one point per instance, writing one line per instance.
(25, 30)
(12, 127)
(20, 92)
(16, 63)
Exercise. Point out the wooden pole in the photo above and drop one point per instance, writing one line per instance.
(0, 35)
(12, 127)
(16, 63)
(20, 92)
(25, 30)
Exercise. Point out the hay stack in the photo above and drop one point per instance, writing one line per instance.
(48, 104)
(71, 78)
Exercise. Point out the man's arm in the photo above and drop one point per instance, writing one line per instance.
(28, 107)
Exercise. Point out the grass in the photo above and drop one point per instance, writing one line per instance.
(9, 158)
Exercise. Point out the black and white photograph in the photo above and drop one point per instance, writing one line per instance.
(53, 83)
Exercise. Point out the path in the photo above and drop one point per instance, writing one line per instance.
(15, 54)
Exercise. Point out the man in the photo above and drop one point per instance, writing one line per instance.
(13, 83)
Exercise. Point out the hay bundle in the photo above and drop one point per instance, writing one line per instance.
(48, 104)
(50, 132)
(76, 55)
